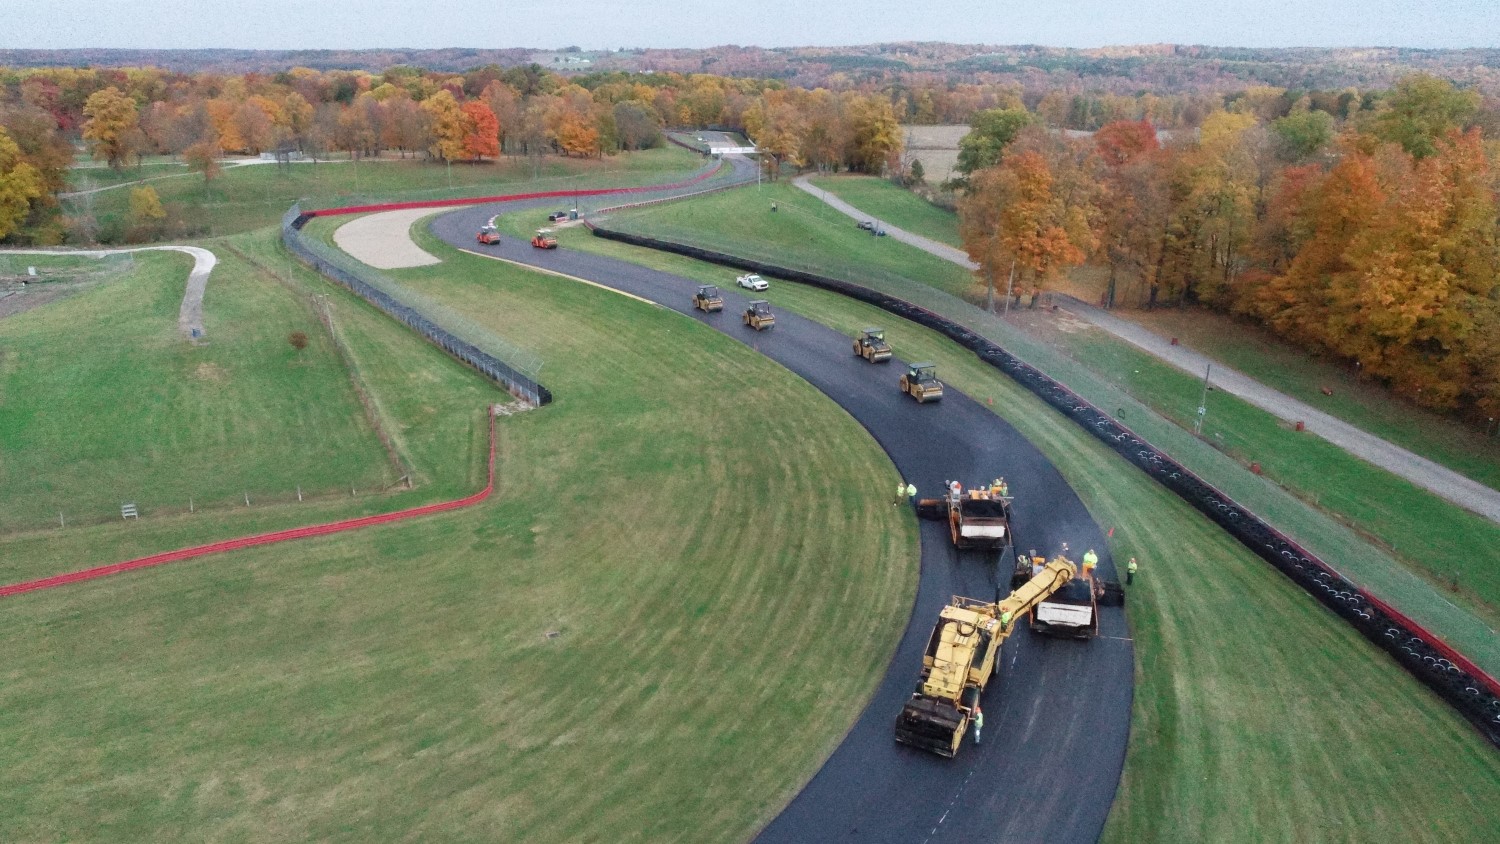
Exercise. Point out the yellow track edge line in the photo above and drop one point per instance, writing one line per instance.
(515, 263)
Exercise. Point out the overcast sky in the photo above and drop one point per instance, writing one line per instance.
(275, 24)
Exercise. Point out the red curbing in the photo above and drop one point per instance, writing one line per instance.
(1436, 642)
(480, 200)
(260, 539)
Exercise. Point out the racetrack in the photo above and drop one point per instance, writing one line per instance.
(1057, 722)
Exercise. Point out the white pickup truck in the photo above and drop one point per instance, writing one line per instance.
(753, 282)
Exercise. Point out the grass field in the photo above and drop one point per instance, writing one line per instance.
(804, 234)
(894, 205)
(1259, 716)
(243, 198)
(1431, 558)
(1463, 448)
(627, 640)
(146, 417)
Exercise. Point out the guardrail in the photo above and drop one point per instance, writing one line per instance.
(1460, 682)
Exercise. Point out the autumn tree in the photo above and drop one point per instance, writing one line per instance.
(482, 130)
(990, 132)
(407, 126)
(111, 118)
(638, 125)
(146, 213)
(1421, 110)
(20, 184)
(1124, 141)
(449, 126)
(1012, 218)
(204, 158)
(874, 135)
(1302, 134)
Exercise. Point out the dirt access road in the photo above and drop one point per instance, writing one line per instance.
(190, 314)
(1437, 479)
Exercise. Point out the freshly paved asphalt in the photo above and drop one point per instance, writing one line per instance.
(1056, 723)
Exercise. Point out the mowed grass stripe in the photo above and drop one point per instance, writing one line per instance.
(400, 683)
(1259, 715)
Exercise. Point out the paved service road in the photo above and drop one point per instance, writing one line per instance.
(1056, 723)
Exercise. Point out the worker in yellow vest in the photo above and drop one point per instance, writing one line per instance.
(1090, 561)
(978, 722)
(1130, 570)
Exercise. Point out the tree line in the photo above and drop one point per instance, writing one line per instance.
(120, 116)
(1365, 228)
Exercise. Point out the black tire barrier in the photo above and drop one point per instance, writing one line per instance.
(488, 365)
(1426, 657)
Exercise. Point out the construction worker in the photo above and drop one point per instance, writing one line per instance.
(1130, 570)
(978, 722)
(900, 493)
(911, 493)
(1005, 617)
(773, 208)
(1004, 489)
(1036, 564)
(1090, 561)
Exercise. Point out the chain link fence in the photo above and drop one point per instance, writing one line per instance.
(514, 368)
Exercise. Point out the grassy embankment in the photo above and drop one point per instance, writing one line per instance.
(1413, 548)
(894, 205)
(628, 638)
(803, 233)
(1258, 714)
(103, 402)
(247, 197)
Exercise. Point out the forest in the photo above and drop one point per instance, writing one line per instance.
(1357, 222)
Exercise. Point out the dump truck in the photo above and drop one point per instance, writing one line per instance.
(871, 345)
(961, 657)
(758, 315)
(544, 239)
(707, 299)
(1072, 611)
(920, 382)
(488, 235)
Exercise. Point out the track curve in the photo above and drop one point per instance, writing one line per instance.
(1059, 718)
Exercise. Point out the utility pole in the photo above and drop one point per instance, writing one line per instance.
(1010, 288)
(1203, 401)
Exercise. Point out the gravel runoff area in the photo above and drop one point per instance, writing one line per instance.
(383, 240)
(1437, 479)
(190, 315)
(1058, 699)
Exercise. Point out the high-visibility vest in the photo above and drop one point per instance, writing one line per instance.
(1091, 559)
(1131, 566)
(978, 718)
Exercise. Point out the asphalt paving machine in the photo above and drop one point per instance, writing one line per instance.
(961, 657)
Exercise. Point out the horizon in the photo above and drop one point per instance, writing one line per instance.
(275, 25)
